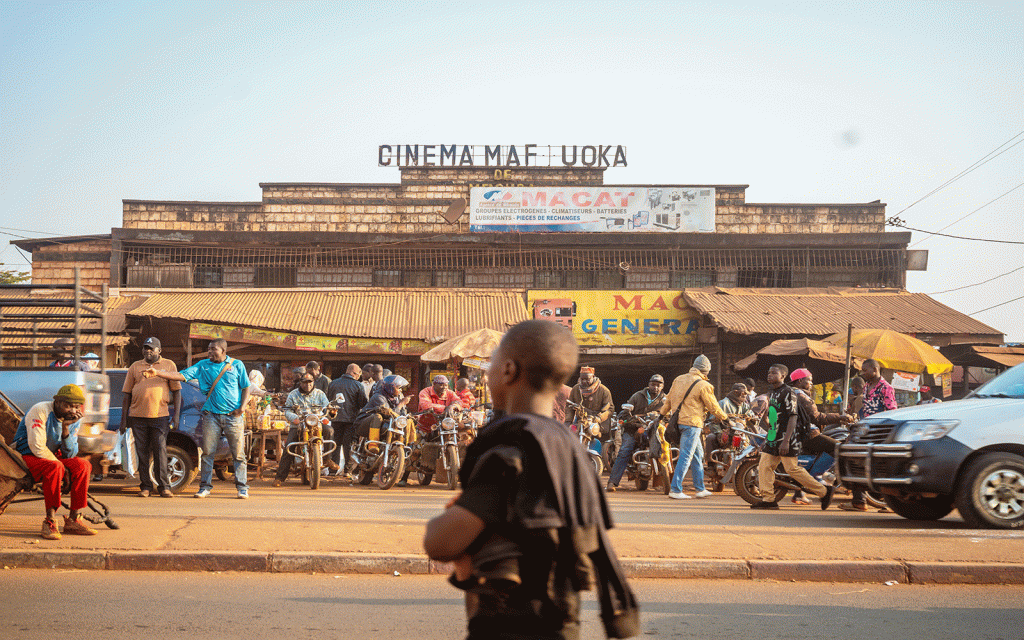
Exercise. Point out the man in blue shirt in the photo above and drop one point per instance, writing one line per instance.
(226, 385)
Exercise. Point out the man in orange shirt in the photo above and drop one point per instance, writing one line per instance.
(466, 397)
(146, 397)
(436, 397)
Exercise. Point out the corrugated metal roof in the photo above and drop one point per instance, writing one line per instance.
(829, 310)
(116, 308)
(415, 314)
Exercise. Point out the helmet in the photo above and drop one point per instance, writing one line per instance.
(393, 385)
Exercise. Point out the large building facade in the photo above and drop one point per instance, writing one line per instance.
(380, 272)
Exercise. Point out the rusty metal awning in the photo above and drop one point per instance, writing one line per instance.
(983, 355)
(823, 311)
(417, 314)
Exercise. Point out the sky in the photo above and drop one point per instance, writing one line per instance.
(804, 102)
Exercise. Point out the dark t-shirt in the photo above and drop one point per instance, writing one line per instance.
(782, 404)
(524, 506)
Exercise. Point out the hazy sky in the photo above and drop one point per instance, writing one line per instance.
(804, 102)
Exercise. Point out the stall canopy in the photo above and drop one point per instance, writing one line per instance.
(983, 355)
(431, 315)
(475, 344)
(894, 350)
(825, 361)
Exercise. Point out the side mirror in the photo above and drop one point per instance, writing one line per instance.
(627, 407)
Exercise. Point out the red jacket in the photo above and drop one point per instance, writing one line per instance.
(467, 398)
(430, 400)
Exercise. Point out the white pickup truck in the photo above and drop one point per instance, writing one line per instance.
(928, 459)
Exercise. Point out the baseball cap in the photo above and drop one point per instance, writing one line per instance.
(799, 374)
(152, 342)
(656, 378)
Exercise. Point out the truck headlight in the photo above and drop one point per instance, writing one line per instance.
(918, 430)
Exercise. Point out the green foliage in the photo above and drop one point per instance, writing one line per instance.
(14, 277)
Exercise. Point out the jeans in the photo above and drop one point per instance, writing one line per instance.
(626, 450)
(151, 444)
(691, 455)
(233, 428)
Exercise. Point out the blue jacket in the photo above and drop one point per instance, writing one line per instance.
(41, 420)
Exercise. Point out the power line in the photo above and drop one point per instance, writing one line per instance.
(897, 222)
(971, 213)
(998, 305)
(968, 286)
(984, 160)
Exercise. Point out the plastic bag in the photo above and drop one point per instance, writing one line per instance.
(129, 456)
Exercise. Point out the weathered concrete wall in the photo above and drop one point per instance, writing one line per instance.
(55, 264)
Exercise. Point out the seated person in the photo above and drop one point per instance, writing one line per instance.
(437, 397)
(47, 439)
(387, 402)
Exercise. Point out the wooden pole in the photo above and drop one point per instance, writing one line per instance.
(846, 374)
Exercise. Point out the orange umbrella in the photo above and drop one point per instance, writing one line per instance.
(894, 350)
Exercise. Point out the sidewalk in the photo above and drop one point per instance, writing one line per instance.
(718, 538)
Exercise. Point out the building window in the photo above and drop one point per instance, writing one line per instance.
(449, 279)
(387, 278)
(578, 280)
(275, 276)
(775, 278)
(208, 277)
(609, 279)
(418, 278)
(547, 279)
(686, 279)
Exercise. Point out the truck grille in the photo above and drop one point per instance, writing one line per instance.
(880, 467)
(876, 434)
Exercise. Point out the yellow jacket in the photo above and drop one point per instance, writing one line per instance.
(699, 403)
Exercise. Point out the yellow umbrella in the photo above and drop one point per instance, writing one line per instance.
(894, 350)
(475, 344)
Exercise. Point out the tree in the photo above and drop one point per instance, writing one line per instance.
(14, 277)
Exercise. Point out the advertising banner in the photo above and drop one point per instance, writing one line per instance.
(619, 318)
(250, 335)
(906, 381)
(581, 209)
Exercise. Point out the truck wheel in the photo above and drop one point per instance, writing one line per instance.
(991, 492)
(181, 468)
(922, 508)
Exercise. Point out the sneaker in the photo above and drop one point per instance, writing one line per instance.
(678, 496)
(202, 493)
(703, 494)
(765, 505)
(77, 527)
(853, 506)
(611, 488)
(50, 530)
(243, 494)
(402, 483)
(166, 493)
(827, 498)
(144, 493)
(278, 483)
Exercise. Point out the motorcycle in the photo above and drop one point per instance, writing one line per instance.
(383, 453)
(311, 448)
(821, 466)
(439, 451)
(653, 457)
(587, 427)
(731, 449)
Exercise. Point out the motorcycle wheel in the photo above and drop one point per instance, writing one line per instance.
(451, 455)
(388, 474)
(746, 484)
(666, 479)
(875, 500)
(224, 474)
(365, 477)
(424, 478)
(641, 483)
(316, 462)
(608, 453)
(598, 464)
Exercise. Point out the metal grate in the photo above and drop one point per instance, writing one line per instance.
(876, 434)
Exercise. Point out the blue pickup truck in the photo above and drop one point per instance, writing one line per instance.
(183, 442)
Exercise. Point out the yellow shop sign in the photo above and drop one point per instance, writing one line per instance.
(619, 318)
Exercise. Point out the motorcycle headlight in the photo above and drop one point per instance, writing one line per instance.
(311, 420)
(401, 421)
(448, 424)
(595, 430)
(918, 430)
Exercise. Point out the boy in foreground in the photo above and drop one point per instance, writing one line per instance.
(528, 531)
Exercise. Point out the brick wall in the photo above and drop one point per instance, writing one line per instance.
(416, 205)
(55, 264)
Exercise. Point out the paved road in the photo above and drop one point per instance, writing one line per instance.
(136, 605)
(365, 519)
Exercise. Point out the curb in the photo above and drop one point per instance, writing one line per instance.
(683, 569)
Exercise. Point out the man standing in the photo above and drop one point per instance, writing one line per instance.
(226, 385)
(63, 351)
(692, 397)
(366, 379)
(466, 397)
(47, 439)
(596, 399)
(301, 400)
(320, 381)
(146, 397)
(644, 401)
(528, 531)
(437, 397)
(782, 444)
(878, 396)
(344, 423)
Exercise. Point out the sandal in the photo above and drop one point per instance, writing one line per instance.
(796, 500)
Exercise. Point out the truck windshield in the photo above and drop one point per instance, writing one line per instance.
(1009, 384)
